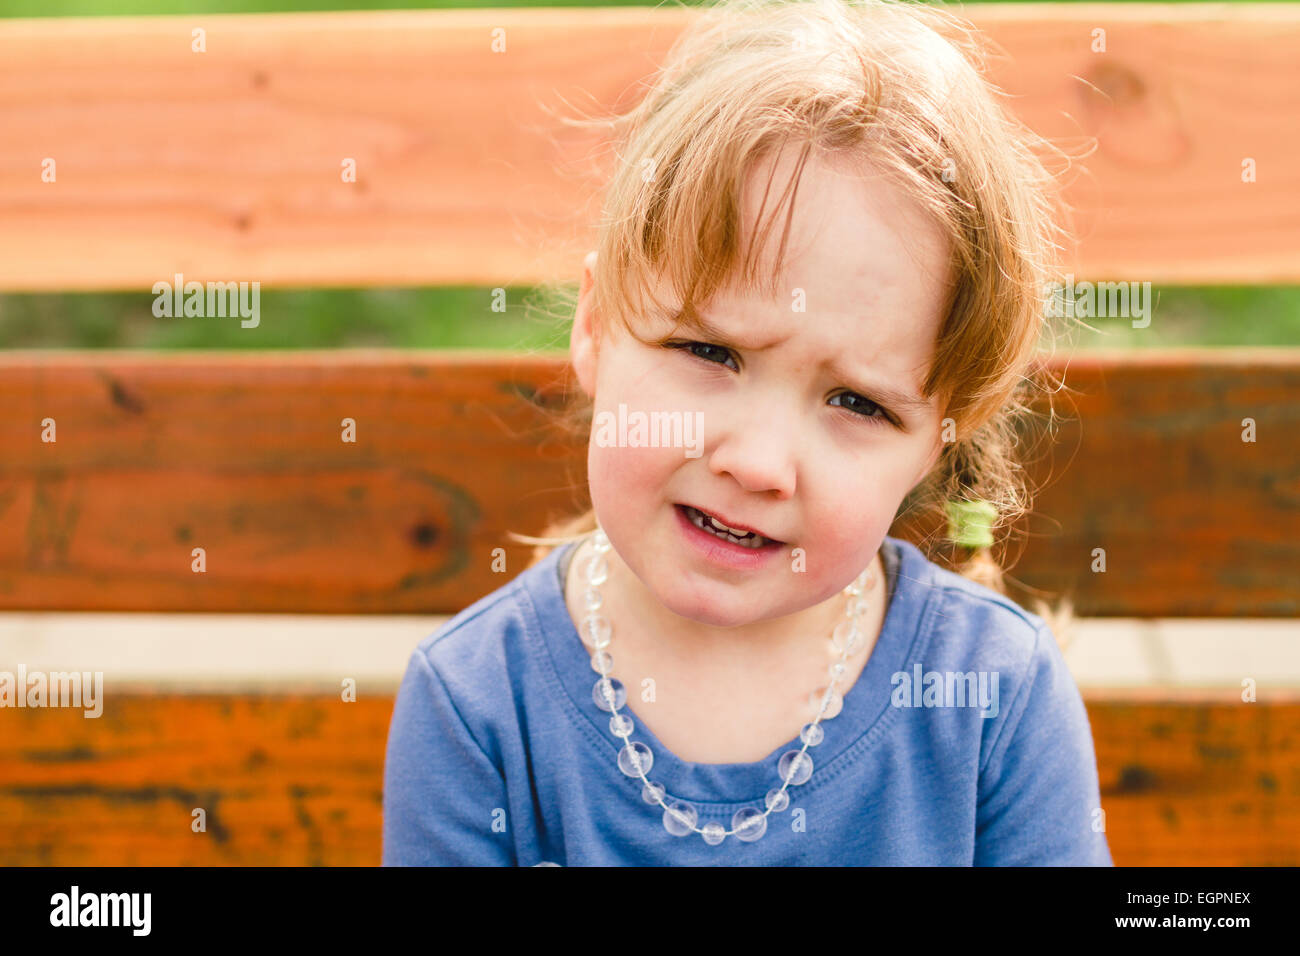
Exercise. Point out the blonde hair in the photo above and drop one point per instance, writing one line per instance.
(894, 84)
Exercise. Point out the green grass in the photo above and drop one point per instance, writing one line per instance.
(463, 318)
(317, 318)
(1206, 316)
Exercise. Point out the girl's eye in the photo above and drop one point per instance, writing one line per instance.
(692, 347)
(866, 407)
(861, 407)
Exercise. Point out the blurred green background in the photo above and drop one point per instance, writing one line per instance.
(462, 317)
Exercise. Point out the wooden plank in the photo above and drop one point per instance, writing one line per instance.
(226, 165)
(242, 653)
(1154, 470)
(282, 781)
(313, 653)
(1197, 784)
(297, 780)
(242, 455)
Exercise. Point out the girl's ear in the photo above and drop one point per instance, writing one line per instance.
(584, 339)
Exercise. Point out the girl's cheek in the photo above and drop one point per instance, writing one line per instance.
(624, 477)
(829, 546)
(605, 467)
(841, 541)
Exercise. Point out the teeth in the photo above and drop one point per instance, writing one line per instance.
(722, 527)
(744, 538)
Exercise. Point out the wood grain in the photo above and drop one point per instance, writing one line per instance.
(242, 456)
(298, 780)
(226, 165)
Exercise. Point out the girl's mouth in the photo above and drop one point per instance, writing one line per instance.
(707, 523)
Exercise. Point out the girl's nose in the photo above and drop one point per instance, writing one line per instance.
(758, 451)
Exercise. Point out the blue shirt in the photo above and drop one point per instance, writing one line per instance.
(497, 754)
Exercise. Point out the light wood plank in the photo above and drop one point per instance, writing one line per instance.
(225, 165)
(267, 653)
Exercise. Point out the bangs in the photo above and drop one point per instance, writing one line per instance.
(690, 243)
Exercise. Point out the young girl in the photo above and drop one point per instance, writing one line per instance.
(730, 661)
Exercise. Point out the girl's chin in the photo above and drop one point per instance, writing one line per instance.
(734, 612)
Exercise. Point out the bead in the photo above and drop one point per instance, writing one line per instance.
(679, 818)
(795, 766)
(832, 706)
(861, 584)
(596, 632)
(846, 637)
(620, 725)
(713, 833)
(749, 824)
(812, 734)
(595, 570)
(635, 759)
(609, 693)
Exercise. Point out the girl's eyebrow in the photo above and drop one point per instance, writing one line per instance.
(895, 398)
(890, 395)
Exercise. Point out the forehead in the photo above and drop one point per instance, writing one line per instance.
(866, 264)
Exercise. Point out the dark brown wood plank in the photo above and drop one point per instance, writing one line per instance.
(1153, 469)
(297, 780)
(241, 455)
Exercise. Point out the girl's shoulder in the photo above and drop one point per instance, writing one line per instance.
(972, 636)
(961, 591)
(970, 626)
(475, 642)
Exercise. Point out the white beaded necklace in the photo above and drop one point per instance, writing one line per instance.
(635, 759)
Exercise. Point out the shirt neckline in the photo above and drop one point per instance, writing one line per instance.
(718, 789)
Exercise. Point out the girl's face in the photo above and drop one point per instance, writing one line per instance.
(818, 458)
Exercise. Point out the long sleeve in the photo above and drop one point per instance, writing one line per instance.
(1038, 798)
(442, 794)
